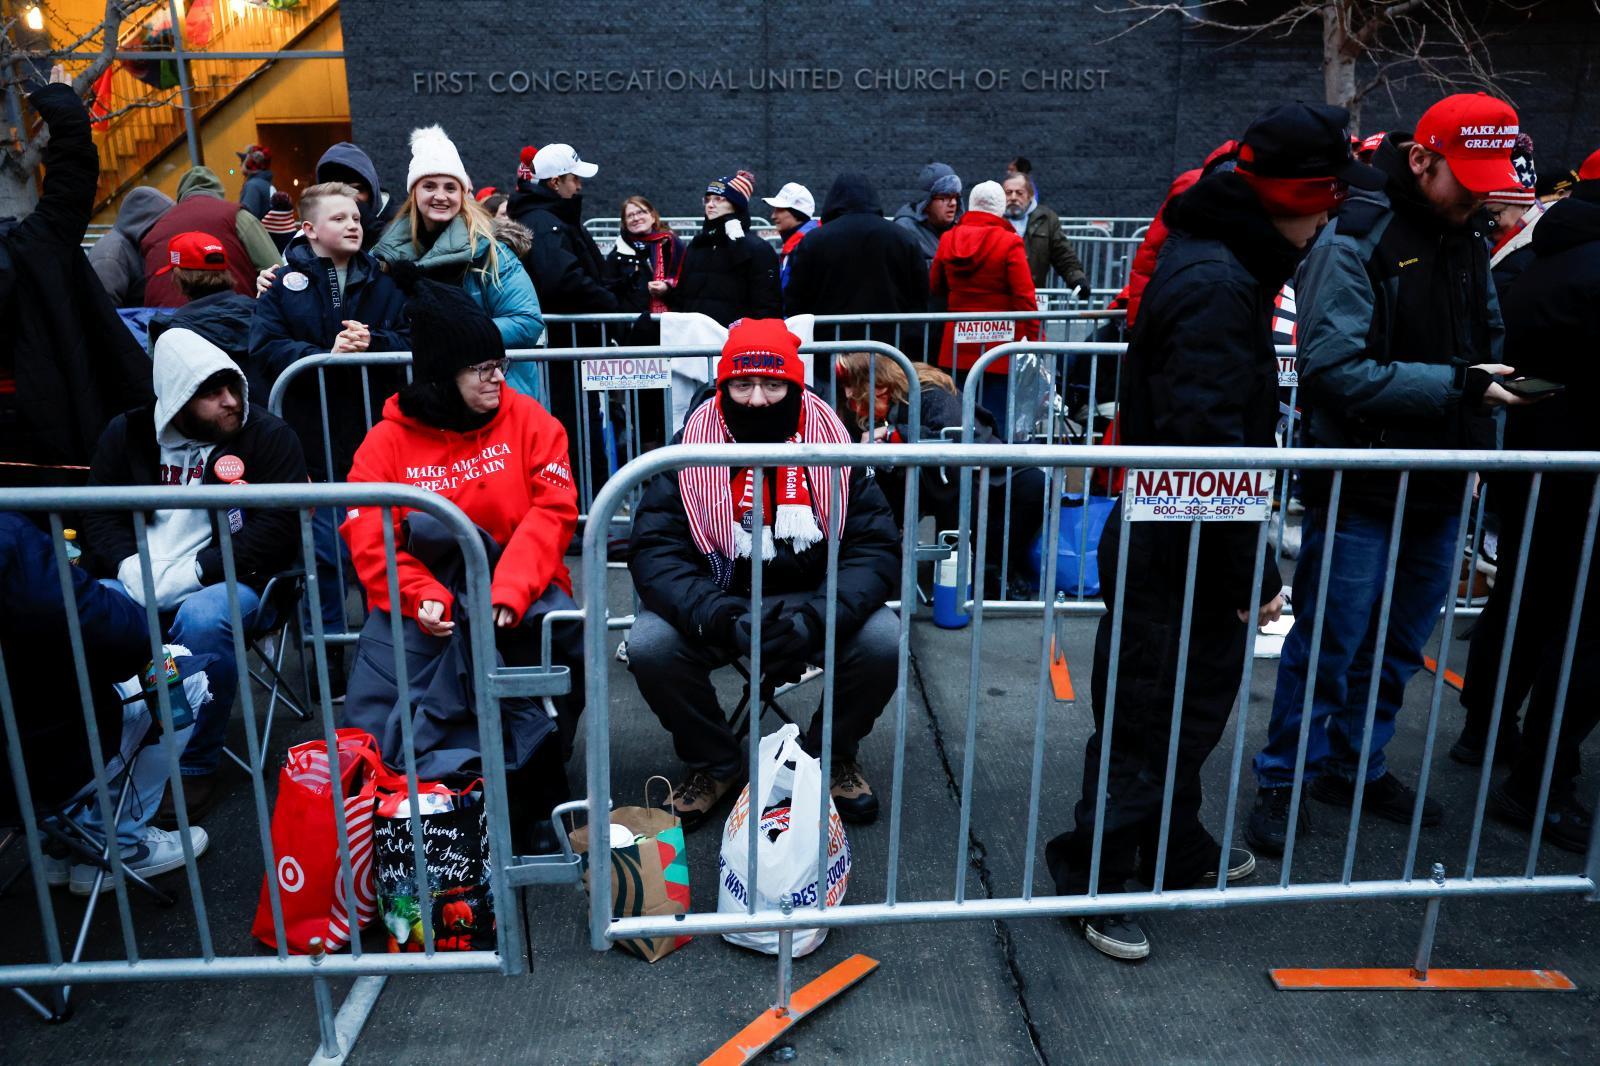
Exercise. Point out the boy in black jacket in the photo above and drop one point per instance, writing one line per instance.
(332, 298)
(1201, 371)
(201, 430)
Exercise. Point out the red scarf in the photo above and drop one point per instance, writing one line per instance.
(719, 500)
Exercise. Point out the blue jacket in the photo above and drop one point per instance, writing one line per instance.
(300, 316)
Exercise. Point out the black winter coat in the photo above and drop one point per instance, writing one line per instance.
(564, 262)
(223, 318)
(1201, 370)
(1553, 332)
(939, 493)
(858, 262)
(267, 541)
(75, 364)
(728, 280)
(674, 578)
(290, 324)
(38, 650)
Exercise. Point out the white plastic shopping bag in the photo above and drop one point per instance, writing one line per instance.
(786, 856)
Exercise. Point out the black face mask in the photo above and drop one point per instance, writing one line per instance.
(439, 404)
(772, 424)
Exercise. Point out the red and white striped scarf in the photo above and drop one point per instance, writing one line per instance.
(716, 522)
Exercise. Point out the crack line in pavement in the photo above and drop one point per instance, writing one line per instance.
(977, 856)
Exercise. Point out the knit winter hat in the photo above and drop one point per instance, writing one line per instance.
(280, 215)
(938, 179)
(255, 157)
(737, 189)
(987, 196)
(761, 347)
(449, 331)
(525, 162)
(1527, 177)
(433, 152)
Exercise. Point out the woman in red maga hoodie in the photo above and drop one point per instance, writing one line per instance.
(502, 459)
(981, 265)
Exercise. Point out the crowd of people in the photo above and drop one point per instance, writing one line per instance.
(1432, 277)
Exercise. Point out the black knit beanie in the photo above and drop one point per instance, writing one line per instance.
(449, 331)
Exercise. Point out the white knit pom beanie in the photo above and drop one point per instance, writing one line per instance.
(433, 152)
(987, 196)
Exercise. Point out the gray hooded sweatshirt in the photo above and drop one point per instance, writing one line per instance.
(183, 360)
(116, 258)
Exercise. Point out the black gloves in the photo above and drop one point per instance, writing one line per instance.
(1081, 287)
(1474, 384)
(788, 640)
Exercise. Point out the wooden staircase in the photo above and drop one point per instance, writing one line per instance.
(153, 123)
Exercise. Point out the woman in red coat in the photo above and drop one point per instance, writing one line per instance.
(502, 459)
(981, 265)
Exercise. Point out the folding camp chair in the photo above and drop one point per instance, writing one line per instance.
(281, 606)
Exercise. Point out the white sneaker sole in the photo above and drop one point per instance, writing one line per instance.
(1117, 949)
(81, 887)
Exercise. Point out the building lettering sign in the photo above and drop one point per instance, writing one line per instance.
(562, 81)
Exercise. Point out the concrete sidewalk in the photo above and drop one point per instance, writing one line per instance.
(971, 991)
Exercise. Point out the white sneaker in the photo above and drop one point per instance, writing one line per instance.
(55, 869)
(158, 852)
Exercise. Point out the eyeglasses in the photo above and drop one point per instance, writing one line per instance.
(487, 371)
(772, 388)
(947, 198)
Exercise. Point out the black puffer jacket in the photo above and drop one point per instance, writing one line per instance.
(728, 279)
(1201, 370)
(858, 262)
(74, 363)
(564, 262)
(674, 578)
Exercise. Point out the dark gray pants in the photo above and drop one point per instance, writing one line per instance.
(674, 676)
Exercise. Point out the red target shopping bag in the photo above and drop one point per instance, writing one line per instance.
(305, 844)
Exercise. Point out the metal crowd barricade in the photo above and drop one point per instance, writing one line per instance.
(232, 953)
(1024, 900)
(685, 226)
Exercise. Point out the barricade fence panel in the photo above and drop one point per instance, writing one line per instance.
(618, 403)
(88, 630)
(1193, 501)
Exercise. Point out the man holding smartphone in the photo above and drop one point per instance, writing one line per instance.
(1400, 342)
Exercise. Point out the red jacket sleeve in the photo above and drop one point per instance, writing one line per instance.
(1144, 260)
(1020, 280)
(533, 555)
(363, 531)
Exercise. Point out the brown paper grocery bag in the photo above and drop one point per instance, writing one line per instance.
(650, 877)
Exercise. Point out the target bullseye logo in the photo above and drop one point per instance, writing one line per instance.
(290, 876)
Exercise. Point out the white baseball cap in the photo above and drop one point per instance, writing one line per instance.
(794, 196)
(554, 160)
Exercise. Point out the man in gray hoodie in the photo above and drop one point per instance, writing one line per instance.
(937, 211)
(116, 258)
(201, 430)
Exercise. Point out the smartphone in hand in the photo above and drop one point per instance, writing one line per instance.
(1532, 388)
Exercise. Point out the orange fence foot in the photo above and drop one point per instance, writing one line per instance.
(1060, 678)
(1451, 678)
(754, 1038)
(1373, 979)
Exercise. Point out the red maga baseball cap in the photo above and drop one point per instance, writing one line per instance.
(1590, 171)
(195, 251)
(1475, 133)
(761, 347)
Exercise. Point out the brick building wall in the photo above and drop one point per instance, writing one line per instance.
(1105, 137)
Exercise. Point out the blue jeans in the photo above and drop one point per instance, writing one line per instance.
(1424, 570)
(332, 555)
(203, 625)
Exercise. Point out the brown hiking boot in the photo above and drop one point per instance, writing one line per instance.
(852, 796)
(695, 799)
